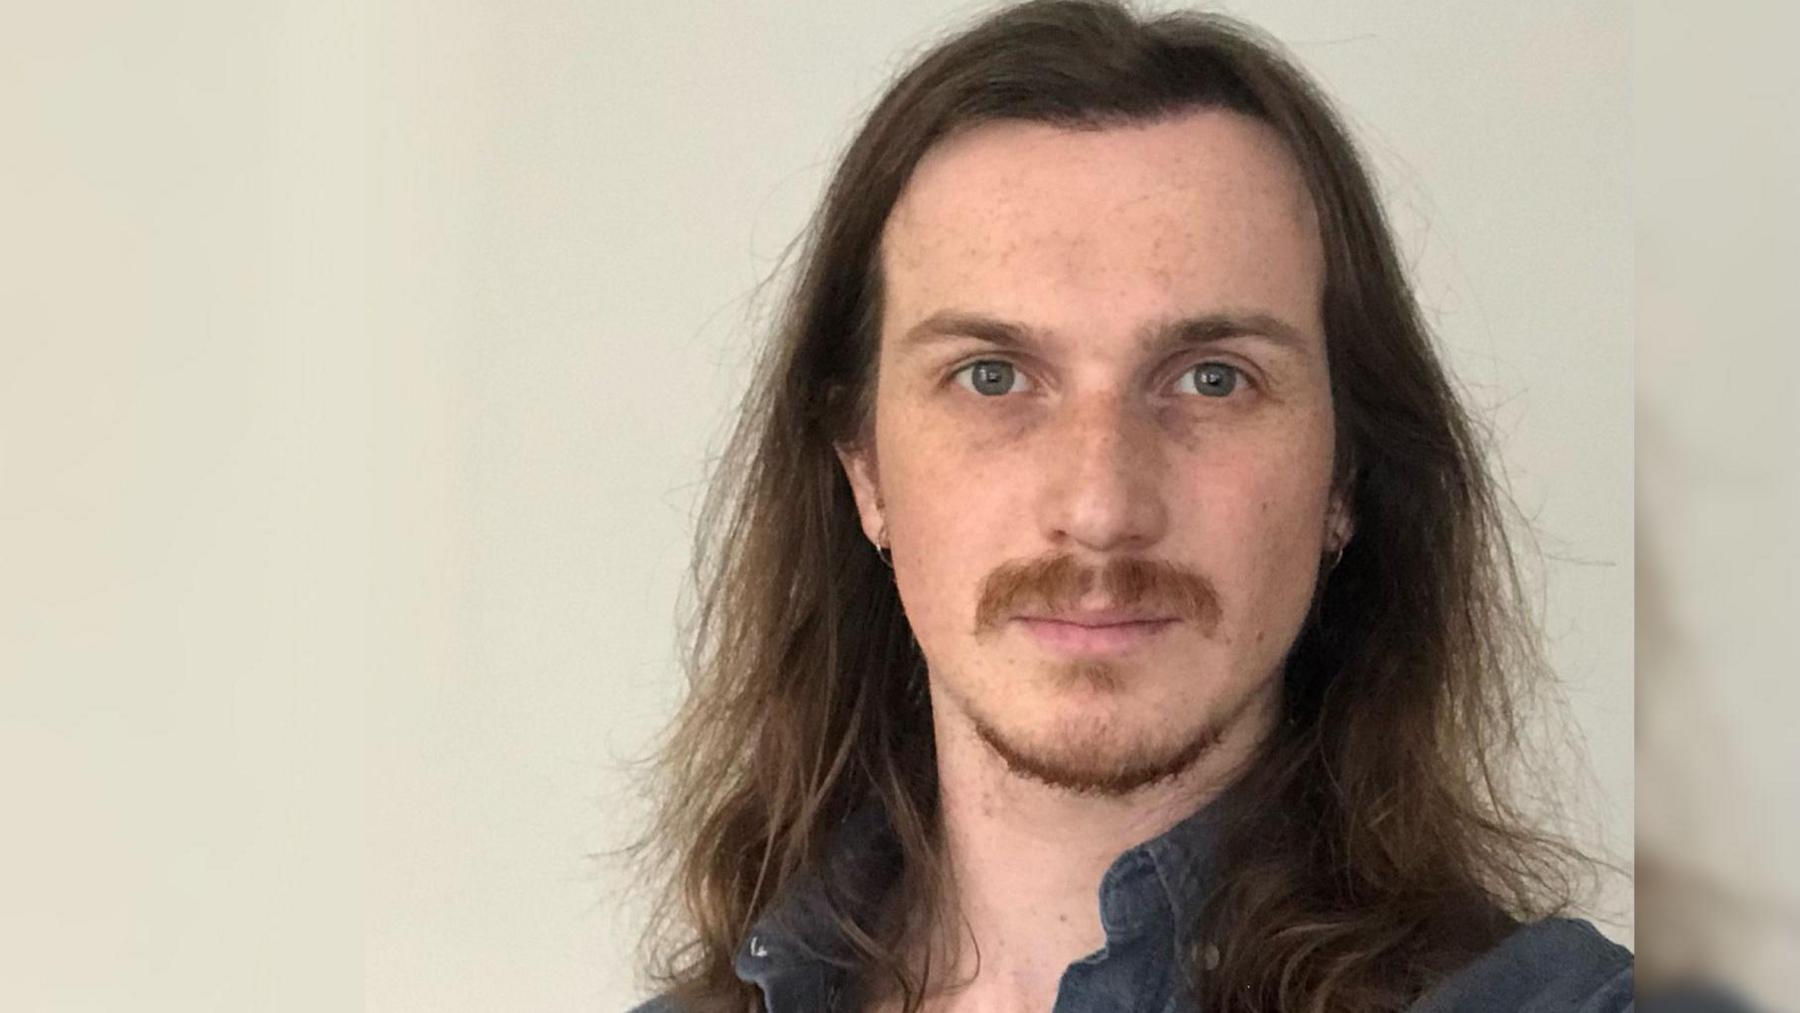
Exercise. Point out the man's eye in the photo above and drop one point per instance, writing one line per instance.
(1212, 379)
(992, 377)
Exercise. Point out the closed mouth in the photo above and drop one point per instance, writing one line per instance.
(1090, 634)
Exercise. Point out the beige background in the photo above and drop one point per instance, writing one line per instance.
(1717, 191)
(359, 367)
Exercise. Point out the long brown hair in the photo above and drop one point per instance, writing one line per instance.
(1372, 846)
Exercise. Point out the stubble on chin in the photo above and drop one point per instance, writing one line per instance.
(1099, 757)
(1102, 767)
(1095, 761)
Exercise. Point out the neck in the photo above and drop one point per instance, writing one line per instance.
(1024, 861)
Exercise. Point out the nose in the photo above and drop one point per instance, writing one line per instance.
(1104, 467)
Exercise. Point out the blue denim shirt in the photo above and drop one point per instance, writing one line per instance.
(1148, 900)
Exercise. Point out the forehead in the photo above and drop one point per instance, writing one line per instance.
(1199, 212)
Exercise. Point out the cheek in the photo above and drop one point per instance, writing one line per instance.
(1259, 533)
(949, 508)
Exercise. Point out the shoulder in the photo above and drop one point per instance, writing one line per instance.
(660, 1004)
(1557, 965)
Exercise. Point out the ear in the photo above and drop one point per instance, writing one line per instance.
(865, 485)
(1340, 520)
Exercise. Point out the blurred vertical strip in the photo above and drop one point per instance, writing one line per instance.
(1718, 250)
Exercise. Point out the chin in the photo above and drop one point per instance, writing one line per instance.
(1097, 754)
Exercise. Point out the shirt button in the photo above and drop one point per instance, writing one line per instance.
(1210, 957)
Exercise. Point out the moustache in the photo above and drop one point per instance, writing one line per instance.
(1060, 582)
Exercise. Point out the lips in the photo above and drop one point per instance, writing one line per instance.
(1099, 617)
(1096, 633)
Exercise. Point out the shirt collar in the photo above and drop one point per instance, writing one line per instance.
(798, 931)
(1164, 880)
(1159, 885)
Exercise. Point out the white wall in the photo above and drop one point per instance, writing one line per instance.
(358, 377)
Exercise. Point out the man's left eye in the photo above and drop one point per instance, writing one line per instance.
(1211, 379)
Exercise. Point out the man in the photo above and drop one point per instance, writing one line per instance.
(1103, 526)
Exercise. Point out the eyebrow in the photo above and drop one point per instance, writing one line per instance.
(1157, 338)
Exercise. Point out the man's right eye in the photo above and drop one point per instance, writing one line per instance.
(992, 377)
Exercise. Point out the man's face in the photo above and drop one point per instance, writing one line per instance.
(1102, 446)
